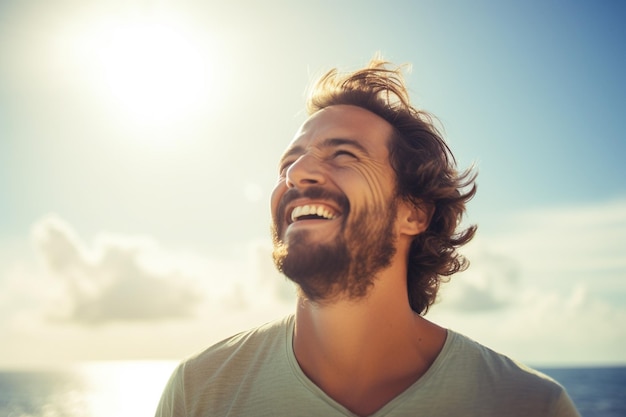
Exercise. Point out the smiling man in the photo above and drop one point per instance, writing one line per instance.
(365, 220)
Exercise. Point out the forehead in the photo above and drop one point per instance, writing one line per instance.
(345, 122)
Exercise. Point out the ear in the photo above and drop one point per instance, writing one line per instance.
(414, 219)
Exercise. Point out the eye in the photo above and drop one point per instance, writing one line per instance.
(284, 166)
(341, 153)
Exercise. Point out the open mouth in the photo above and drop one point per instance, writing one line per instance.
(312, 212)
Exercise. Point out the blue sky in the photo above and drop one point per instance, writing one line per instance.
(139, 142)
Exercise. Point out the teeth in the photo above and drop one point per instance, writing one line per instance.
(320, 211)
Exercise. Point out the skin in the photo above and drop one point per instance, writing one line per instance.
(362, 352)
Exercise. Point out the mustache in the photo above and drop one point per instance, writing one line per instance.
(314, 193)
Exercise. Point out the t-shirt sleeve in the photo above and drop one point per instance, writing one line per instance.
(172, 403)
(565, 407)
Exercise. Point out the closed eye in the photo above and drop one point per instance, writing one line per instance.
(284, 166)
(343, 152)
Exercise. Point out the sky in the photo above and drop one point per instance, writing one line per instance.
(139, 143)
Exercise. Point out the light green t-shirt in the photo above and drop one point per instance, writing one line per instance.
(255, 373)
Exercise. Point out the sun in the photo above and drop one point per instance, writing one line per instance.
(154, 71)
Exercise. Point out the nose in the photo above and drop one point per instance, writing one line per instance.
(305, 171)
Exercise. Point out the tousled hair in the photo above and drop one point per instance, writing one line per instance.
(425, 168)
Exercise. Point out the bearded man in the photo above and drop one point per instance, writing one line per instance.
(365, 220)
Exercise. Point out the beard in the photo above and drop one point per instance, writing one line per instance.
(346, 266)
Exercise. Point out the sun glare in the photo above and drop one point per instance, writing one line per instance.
(154, 71)
(124, 389)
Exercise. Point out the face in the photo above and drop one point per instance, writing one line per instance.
(334, 207)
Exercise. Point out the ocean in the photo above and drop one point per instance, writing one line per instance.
(597, 392)
(125, 389)
(100, 389)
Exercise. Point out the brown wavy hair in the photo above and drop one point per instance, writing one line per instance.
(425, 168)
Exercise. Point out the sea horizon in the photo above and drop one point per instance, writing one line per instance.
(64, 365)
(126, 388)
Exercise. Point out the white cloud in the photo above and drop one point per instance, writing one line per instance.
(123, 297)
(112, 281)
(568, 238)
(548, 328)
(547, 290)
(158, 302)
(489, 283)
(133, 279)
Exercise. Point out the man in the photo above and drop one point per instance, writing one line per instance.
(364, 221)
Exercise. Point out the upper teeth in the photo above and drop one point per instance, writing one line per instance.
(311, 209)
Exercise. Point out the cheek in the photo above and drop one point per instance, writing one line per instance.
(277, 194)
(376, 188)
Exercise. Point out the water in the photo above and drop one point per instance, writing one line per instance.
(125, 389)
(106, 389)
(597, 392)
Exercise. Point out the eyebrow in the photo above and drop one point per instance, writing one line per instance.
(327, 143)
(335, 142)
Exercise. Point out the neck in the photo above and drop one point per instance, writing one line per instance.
(365, 352)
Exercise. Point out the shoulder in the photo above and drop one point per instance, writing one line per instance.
(473, 356)
(504, 381)
(233, 352)
(207, 382)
